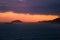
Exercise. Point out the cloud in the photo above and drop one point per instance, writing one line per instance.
(4, 9)
(31, 6)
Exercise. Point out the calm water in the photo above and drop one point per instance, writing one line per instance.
(30, 31)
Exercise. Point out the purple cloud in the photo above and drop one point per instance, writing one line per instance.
(31, 6)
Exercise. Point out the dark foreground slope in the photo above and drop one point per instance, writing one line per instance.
(30, 31)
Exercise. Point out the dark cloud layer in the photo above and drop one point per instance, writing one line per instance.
(31, 6)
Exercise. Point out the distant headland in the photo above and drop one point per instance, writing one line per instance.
(57, 20)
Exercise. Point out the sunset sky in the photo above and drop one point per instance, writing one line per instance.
(29, 10)
(10, 16)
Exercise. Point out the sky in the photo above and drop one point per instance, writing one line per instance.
(10, 16)
(29, 10)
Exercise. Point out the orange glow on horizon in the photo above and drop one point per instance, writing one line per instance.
(10, 16)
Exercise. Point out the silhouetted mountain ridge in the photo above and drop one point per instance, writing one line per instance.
(14, 22)
(57, 20)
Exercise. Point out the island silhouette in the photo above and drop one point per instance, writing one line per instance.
(16, 21)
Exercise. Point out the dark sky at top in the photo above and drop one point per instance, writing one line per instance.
(31, 6)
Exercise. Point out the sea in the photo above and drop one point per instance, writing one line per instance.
(30, 31)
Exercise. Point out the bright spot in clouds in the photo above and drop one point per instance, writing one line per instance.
(21, 0)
